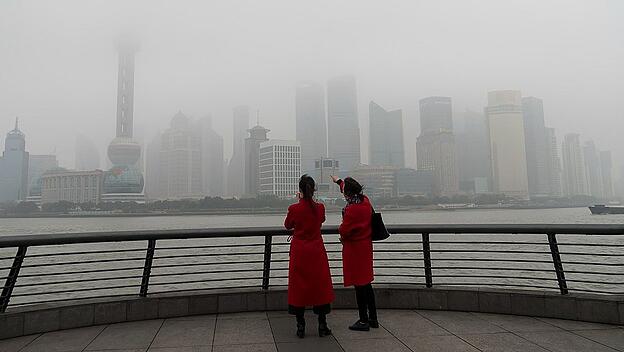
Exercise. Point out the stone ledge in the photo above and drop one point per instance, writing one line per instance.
(81, 313)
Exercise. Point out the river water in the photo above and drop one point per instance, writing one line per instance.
(218, 263)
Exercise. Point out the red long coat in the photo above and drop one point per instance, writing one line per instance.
(357, 245)
(309, 278)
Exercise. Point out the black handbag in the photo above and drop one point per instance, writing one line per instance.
(380, 232)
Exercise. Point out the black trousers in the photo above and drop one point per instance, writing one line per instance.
(321, 311)
(365, 297)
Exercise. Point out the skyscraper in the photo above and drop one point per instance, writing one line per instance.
(473, 154)
(212, 159)
(14, 167)
(342, 122)
(386, 136)
(87, 156)
(280, 168)
(257, 135)
(554, 163)
(124, 181)
(606, 163)
(593, 170)
(311, 125)
(37, 166)
(574, 177)
(236, 168)
(435, 147)
(507, 143)
(537, 147)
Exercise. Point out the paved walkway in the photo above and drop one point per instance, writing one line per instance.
(401, 330)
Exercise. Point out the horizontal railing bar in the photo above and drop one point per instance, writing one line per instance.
(79, 272)
(82, 262)
(467, 250)
(494, 284)
(48, 283)
(213, 246)
(490, 242)
(596, 282)
(596, 291)
(210, 263)
(84, 253)
(499, 277)
(210, 288)
(138, 235)
(205, 280)
(591, 273)
(494, 269)
(585, 263)
(590, 245)
(204, 255)
(493, 260)
(596, 254)
(208, 272)
(75, 290)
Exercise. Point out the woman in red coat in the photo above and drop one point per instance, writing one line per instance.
(309, 278)
(357, 251)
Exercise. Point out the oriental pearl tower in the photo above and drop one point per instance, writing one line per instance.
(124, 181)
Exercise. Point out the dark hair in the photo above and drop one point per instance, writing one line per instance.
(352, 187)
(307, 187)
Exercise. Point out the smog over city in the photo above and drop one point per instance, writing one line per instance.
(518, 93)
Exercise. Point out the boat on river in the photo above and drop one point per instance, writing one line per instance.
(601, 209)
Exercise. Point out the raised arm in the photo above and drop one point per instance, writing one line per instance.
(289, 222)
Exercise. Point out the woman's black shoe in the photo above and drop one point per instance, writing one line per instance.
(324, 330)
(360, 326)
(300, 330)
(373, 324)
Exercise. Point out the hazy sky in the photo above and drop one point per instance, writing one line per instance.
(58, 66)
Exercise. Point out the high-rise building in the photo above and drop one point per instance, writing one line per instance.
(386, 136)
(236, 174)
(507, 143)
(279, 166)
(257, 135)
(71, 186)
(473, 154)
(554, 163)
(212, 159)
(574, 176)
(181, 159)
(37, 166)
(606, 163)
(593, 169)
(87, 156)
(435, 147)
(14, 167)
(342, 122)
(124, 181)
(536, 146)
(311, 125)
(323, 170)
(152, 168)
(378, 181)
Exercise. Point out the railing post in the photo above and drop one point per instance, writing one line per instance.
(147, 268)
(427, 259)
(266, 267)
(11, 279)
(554, 251)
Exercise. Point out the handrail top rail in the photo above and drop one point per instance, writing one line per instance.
(238, 232)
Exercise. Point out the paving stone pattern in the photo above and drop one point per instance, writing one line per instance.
(401, 330)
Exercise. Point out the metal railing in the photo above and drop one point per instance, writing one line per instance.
(61, 267)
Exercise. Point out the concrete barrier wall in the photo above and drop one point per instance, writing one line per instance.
(67, 315)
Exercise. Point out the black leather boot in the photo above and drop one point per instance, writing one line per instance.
(324, 330)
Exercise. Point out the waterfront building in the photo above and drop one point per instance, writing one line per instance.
(37, 166)
(593, 170)
(435, 147)
(279, 167)
(71, 186)
(410, 182)
(257, 135)
(554, 163)
(536, 146)
(473, 154)
(124, 181)
(378, 181)
(152, 168)
(212, 159)
(323, 170)
(507, 143)
(574, 175)
(14, 167)
(386, 136)
(180, 173)
(235, 181)
(606, 163)
(86, 154)
(311, 123)
(342, 122)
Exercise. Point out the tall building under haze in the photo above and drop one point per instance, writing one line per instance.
(554, 163)
(386, 136)
(342, 122)
(212, 159)
(574, 176)
(435, 147)
(473, 153)
(507, 143)
(593, 169)
(280, 168)
(37, 166)
(14, 167)
(311, 124)
(87, 156)
(606, 163)
(235, 181)
(124, 181)
(257, 135)
(536, 146)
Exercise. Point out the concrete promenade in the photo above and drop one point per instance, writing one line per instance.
(401, 330)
